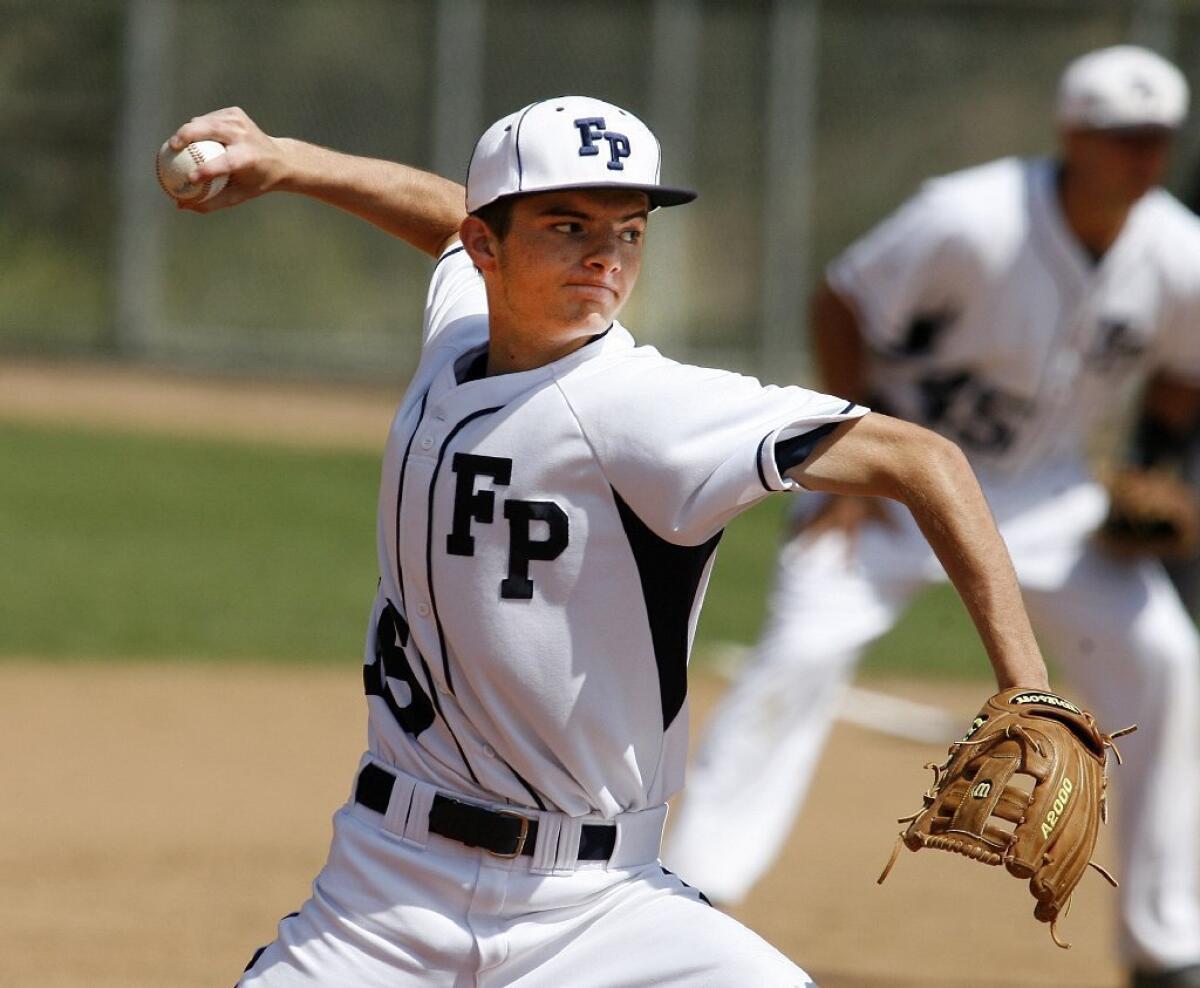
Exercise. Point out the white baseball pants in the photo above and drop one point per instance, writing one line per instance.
(1118, 630)
(398, 907)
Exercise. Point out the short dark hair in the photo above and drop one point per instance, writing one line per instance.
(497, 216)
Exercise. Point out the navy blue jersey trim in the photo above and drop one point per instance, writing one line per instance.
(437, 706)
(794, 451)
(429, 538)
(670, 577)
(762, 477)
(450, 253)
(430, 685)
(476, 370)
(400, 496)
(528, 788)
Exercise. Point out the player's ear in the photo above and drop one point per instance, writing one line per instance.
(479, 242)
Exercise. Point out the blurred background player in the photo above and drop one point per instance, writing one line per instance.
(1006, 306)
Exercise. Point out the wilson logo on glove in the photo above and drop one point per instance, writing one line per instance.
(1047, 698)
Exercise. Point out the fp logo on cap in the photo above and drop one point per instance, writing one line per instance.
(592, 129)
(565, 143)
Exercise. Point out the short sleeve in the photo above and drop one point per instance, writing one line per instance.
(456, 293)
(688, 448)
(913, 264)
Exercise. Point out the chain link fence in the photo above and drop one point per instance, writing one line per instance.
(801, 122)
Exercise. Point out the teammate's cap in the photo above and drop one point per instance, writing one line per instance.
(572, 142)
(1122, 86)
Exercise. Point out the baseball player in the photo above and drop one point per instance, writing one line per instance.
(551, 499)
(1007, 306)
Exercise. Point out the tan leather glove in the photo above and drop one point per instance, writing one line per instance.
(1025, 788)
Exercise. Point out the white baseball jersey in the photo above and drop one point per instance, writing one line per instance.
(545, 540)
(990, 323)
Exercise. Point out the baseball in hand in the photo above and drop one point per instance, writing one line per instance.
(173, 168)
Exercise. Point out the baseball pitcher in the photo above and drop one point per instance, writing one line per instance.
(551, 499)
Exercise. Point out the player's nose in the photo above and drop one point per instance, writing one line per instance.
(604, 253)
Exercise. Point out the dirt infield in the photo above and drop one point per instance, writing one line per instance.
(298, 412)
(158, 819)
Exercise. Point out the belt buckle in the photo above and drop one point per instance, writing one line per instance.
(520, 837)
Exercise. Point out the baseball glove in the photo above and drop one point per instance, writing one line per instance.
(1151, 513)
(1024, 788)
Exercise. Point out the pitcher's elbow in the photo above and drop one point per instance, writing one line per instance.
(930, 462)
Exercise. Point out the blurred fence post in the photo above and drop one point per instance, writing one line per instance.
(457, 85)
(142, 211)
(789, 135)
(672, 113)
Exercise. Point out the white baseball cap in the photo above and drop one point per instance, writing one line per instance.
(572, 142)
(1122, 86)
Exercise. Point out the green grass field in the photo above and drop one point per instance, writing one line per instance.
(133, 546)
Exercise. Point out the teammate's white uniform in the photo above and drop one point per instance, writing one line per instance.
(986, 320)
(544, 540)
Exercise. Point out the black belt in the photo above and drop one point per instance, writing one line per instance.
(504, 834)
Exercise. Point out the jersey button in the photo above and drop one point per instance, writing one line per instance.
(489, 751)
(427, 442)
(423, 610)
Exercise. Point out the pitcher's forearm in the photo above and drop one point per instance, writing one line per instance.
(962, 533)
(417, 206)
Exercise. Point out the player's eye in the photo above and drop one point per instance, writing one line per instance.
(631, 236)
(567, 227)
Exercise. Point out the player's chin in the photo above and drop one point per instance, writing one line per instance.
(594, 316)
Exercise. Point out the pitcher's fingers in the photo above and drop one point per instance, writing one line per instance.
(202, 128)
(227, 126)
(231, 195)
(221, 164)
